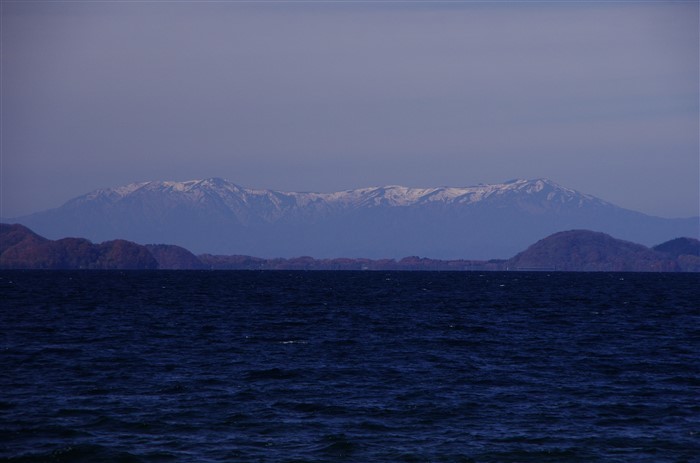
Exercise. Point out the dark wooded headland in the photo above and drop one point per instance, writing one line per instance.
(575, 250)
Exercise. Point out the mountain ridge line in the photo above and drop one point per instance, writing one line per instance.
(215, 216)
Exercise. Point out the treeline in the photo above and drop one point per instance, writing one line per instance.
(575, 250)
(309, 263)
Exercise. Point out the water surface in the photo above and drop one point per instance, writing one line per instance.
(349, 366)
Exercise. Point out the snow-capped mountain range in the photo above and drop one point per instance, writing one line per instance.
(217, 216)
(391, 195)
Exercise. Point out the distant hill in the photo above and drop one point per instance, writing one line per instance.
(576, 250)
(679, 247)
(216, 216)
(572, 251)
(237, 262)
(584, 250)
(19, 237)
(686, 252)
(174, 257)
(22, 248)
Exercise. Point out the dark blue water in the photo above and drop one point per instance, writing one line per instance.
(349, 366)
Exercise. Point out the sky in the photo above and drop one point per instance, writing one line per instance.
(602, 97)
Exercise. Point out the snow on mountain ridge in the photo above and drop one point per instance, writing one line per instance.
(218, 216)
(235, 196)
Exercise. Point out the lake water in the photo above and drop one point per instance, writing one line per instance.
(201, 366)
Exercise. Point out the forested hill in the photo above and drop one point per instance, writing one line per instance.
(575, 250)
(584, 250)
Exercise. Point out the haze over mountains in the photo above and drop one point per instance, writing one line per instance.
(219, 217)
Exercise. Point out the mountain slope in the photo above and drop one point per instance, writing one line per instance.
(22, 248)
(679, 247)
(685, 250)
(584, 250)
(219, 217)
(172, 257)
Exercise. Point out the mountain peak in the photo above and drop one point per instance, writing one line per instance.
(214, 181)
(535, 183)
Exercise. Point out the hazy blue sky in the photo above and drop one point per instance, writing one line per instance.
(321, 96)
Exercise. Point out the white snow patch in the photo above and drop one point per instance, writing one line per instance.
(392, 195)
